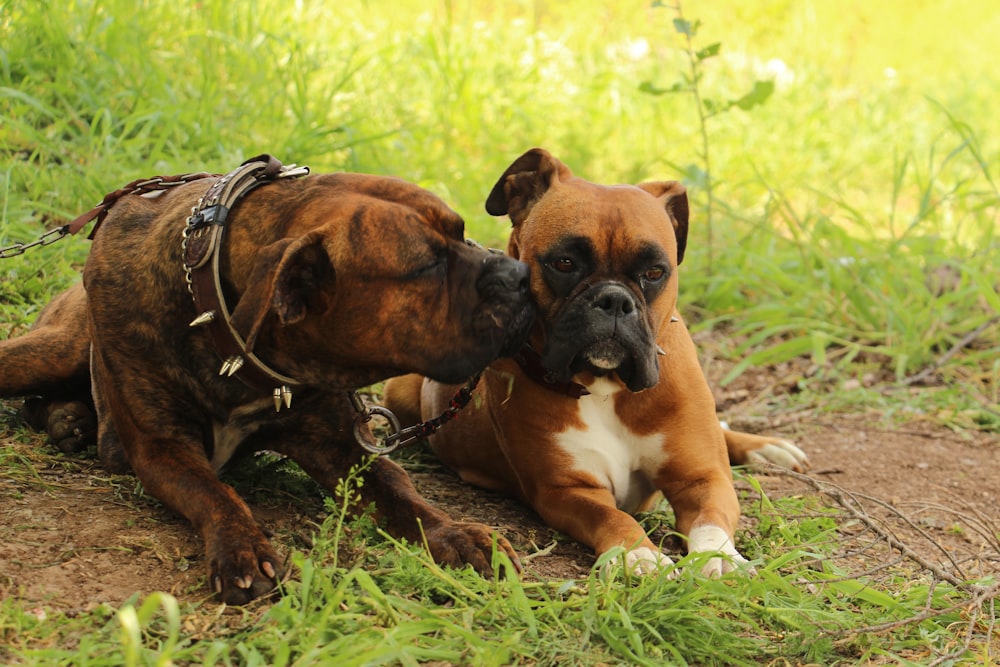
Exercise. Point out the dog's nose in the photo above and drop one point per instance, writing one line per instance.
(507, 274)
(614, 301)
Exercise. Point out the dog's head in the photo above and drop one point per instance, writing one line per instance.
(370, 277)
(603, 263)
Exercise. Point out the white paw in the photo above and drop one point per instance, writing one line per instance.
(712, 539)
(781, 453)
(639, 562)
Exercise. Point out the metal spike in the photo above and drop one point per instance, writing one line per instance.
(277, 399)
(235, 366)
(286, 396)
(674, 318)
(660, 351)
(203, 319)
(231, 365)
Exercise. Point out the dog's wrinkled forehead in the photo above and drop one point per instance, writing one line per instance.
(378, 200)
(622, 220)
(411, 230)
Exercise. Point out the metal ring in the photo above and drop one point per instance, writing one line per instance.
(373, 445)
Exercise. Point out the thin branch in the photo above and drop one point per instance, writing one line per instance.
(955, 349)
(849, 501)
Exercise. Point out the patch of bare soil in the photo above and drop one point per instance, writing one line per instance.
(74, 537)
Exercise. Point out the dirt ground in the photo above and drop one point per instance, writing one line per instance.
(73, 537)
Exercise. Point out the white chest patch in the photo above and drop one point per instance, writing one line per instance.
(621, 461)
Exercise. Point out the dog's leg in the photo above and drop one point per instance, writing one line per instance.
(699, 487)
(748, 449)
(405, 513)
(167, 453)
(50, 366)
(242, 564)
(398, 506)
(588, 515)
(54, 355)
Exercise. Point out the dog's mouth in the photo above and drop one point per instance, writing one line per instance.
(604, 355)
(517, 330)
(638, 369)
(499, 324)
(602, 330)
(505, 327)
(506, 310)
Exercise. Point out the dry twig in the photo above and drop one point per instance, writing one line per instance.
(979, 601)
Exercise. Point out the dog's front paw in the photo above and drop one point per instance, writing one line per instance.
(243, 566)
(458, 543)
(639, 562)
(712, 539)
(781, 453)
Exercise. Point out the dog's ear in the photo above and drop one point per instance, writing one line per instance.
(524, 183)
(291, 278)
(675, 202)
(302, 280)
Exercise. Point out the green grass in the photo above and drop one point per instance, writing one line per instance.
(855, 225)
(361, 598)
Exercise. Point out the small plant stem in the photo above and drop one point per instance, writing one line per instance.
(704, 153)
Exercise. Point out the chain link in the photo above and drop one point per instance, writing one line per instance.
(139, 187)
(142, 186)
(48, 238)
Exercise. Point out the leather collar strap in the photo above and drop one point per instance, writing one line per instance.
(531, 363)
(203, 237)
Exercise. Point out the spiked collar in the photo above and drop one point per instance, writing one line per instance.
(203, 237)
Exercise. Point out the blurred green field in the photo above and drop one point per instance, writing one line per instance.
(854, 213)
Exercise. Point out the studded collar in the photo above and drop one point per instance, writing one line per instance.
(203, 238)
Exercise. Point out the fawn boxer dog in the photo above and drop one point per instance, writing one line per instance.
(296, 286)
(606, 407)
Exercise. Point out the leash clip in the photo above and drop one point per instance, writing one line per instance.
(364, 436)
(399, 437)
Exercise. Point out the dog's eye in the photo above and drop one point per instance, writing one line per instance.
(652, 277)
(563, 264)
(431, 268)
(654, 274)
(437, 265)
